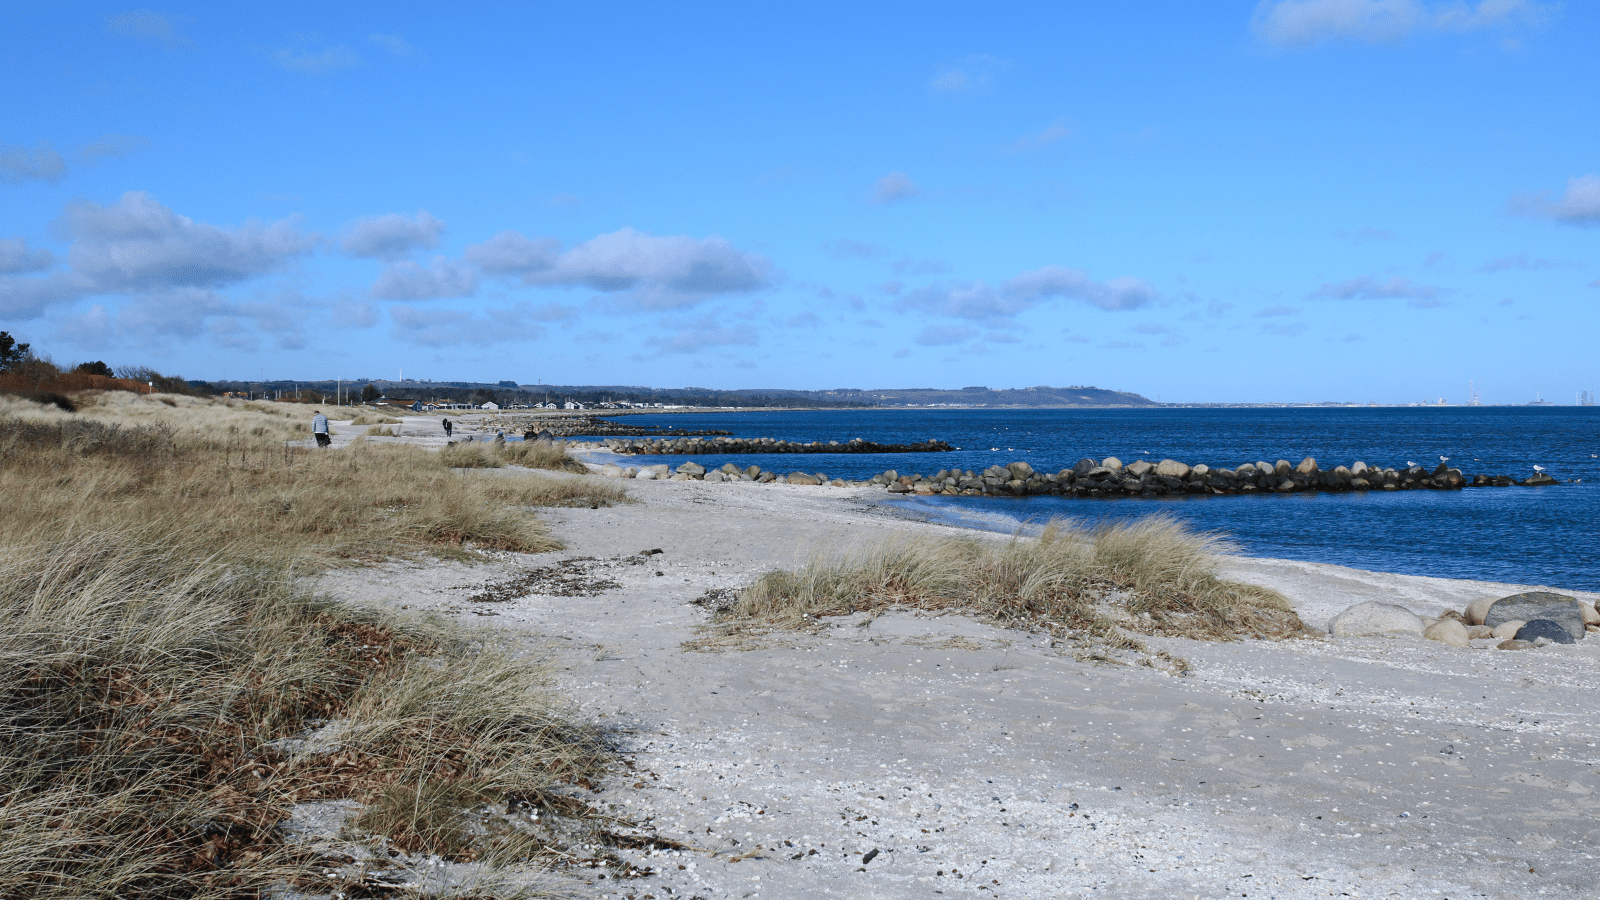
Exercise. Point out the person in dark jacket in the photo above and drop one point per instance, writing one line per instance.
(447, 427)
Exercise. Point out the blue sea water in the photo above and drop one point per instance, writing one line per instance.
(1547, 535)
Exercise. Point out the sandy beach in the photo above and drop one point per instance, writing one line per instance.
(910, 755)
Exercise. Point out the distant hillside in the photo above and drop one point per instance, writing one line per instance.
(1042, 396)
(510, 392)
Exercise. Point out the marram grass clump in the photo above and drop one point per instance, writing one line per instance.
(1152, 576)
(155, 700)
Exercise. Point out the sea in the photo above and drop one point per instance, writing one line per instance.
(1543, 536)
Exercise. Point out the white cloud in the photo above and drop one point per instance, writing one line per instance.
(894, 186)
(968, 76)
(190, 312)
(28, 298)
(704, 336)
(407, 280)
(845, 248)
(148, 25)
(660, 272)
(16, 257)
(393, 43)
(944, 335)
(307, 61)
(137, 244)
(978, 301)
(509, 253)
(975, 301)
(1058, 130)
(452, 327)
(1516, 261)
(42, 163)
(1369, 287)
(110, 146)
(89, 329)
(1578, 205)
(393, 236)
(1060, 281)
(1296, 23)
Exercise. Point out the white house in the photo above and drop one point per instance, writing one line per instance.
(490, 405)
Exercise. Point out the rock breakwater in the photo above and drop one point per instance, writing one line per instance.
(768, 445)
(1110, 477)
(1092, 478)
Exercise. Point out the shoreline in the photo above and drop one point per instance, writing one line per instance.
(1370, 766)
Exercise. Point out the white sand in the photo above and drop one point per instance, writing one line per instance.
(1383, 767)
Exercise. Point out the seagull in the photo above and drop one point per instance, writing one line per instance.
(1538, 468)
(1444, 459)
(1410, 464)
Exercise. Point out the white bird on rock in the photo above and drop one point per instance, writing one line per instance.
(1538, 468)
(1410, 464)
(1444, 459)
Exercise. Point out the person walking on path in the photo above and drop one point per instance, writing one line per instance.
(447, 427)
(319, 429)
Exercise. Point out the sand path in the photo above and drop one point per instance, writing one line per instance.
(978, 761)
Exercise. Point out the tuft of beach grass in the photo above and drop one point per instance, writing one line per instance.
(1108, 585)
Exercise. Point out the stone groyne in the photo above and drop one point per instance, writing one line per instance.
(1111, 478)
(768, 445)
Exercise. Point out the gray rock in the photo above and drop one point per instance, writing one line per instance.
(1171, 468)
(1307, 466)
(1479, 608)
(716, 476)
(1545, 628)
(1112, 463)
(1505, 630)
(691, 468)
(1558, 608)
(1447, 631)
(1139, 468)
(1084, 466)
(611, 471)
(803, 478)
(1282, 467)
(731, 469)
(1020, 469)
(1372, 618)
(1514, 645)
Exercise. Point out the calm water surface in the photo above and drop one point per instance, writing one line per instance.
(1523, 535)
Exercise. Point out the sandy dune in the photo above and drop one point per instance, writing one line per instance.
(978, 761)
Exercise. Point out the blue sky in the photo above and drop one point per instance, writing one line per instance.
(1286, 201)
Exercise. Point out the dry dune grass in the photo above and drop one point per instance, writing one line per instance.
(1151, 576)
(362, 502)
(169, 686)
(154, 697)
(187, 415)
(528, 454)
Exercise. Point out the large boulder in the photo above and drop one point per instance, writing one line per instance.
(1138, 468)
(1478, 608)
(1307, 466)
(1558, 608)
(803, 478)
(691, 468)
(1447, 631)
(1019, 470)
(1112, 463)
(1546, 629)
(1171, 468)
(1374, 617)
